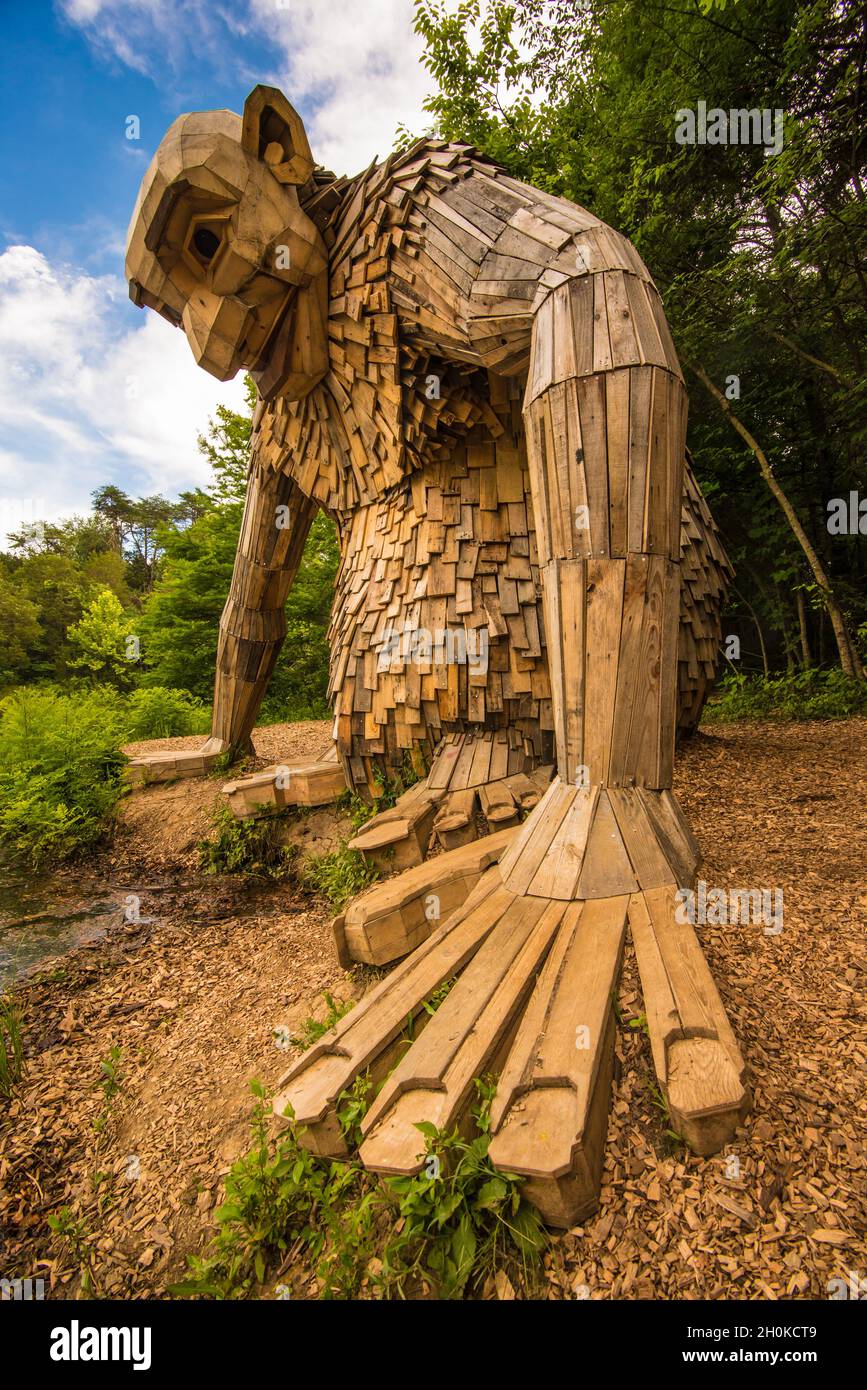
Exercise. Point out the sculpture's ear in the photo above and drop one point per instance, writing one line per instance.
(274, 132)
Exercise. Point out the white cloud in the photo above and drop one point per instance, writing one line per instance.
(85, 399)
(356, 67)
(352, 67)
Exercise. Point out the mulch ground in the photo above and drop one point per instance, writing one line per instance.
(193, 998)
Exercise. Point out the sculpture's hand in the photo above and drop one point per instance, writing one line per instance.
(166, 766)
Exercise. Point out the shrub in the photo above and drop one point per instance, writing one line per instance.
(11, 1048)
(251, 846)
(157, 712)
(813, 694)
(60, 770)
(444, 1231)
(339, 875)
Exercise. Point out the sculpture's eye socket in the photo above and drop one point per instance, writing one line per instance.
(206, 243)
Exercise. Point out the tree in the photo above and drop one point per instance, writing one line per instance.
(102, 640)
(759, 257)
(19, 631)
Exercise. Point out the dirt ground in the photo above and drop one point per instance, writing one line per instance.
(192, 999)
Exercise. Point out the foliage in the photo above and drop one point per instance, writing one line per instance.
(812, 694)
(180, 622)
(312, 1029)
(340, 874)
(444, 1231)
(60, 766)
(11, 1048)
(19, 631)
(250, 846)
(155, 712)
(100, 640)
(759, 257)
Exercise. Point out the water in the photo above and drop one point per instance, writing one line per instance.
(42, 918)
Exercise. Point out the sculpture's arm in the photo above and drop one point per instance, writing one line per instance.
(277, 520)
(510, 278)
(605, 417)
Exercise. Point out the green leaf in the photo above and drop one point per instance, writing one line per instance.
(491, 1194)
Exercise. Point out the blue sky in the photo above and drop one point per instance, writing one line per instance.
(93, 390)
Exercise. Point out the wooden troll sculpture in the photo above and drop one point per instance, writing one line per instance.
(476, 381)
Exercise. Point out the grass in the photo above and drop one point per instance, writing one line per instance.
(61, 765)
(441, 1233)
(312, 1029)
(338, 875)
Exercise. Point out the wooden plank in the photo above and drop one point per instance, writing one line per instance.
(694, 1050)
(434, 1081)
(549, 1115)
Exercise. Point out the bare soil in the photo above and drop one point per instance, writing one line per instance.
(193, 998)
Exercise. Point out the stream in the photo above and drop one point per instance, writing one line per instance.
(45, 916)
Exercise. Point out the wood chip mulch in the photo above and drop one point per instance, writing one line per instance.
(193, 999)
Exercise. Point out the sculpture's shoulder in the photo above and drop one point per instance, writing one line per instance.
(436, 257)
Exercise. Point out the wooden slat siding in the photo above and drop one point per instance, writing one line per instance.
(617, 449)
(629, 697)
(594, 462)
(607, 869)
(560, 870)
(523, 857)
(668, 676)
(641, 758)
(604, 588)
(649, 864)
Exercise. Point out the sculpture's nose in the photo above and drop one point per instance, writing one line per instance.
(215, 326)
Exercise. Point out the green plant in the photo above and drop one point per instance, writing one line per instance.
(73, 1232)
(461, 1216)
(812, 694)
(250, 846)
(339, 875)
(60, 771)
(433, 1001)
(111, 1073)
(658, 1100)
(11, 1048)
(443, 1231)
(157, 712)
(312, 1029)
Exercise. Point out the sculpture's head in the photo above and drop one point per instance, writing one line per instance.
(219, 244)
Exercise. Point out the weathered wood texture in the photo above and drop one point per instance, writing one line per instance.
(475, 379)
(413, 438)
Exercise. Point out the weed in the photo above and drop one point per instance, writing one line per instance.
(339, 875)
(250, 846)
(112, 1077)
(433, 1001)
(74, 1234)
(443, 1231)
(812, 694)
(312, 1029)
(11, 1048)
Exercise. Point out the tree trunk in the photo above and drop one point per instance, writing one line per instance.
(806, 653)
(845, 646)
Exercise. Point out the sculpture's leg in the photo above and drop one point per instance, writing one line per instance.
(277, 519)
(606, 844)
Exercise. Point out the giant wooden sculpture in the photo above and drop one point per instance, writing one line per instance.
(476, 380)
